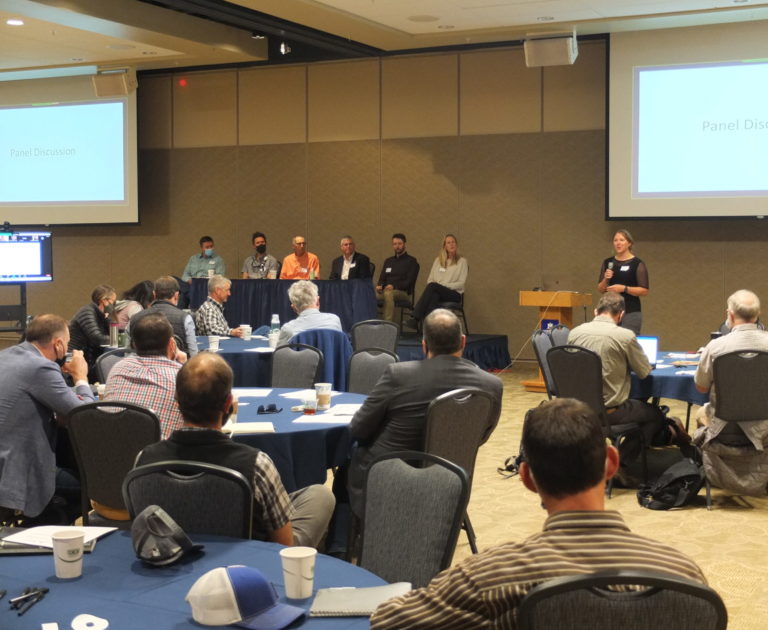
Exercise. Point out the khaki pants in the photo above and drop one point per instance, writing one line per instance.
(389, 296)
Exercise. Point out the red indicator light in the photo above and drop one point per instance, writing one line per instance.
(182, 83)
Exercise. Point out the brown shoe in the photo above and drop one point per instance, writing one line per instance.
(679, 434)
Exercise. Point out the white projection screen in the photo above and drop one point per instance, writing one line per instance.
(688, 123)
(66, 156)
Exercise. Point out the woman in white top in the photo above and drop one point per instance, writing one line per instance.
(446, 279)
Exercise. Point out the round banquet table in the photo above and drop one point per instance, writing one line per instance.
(668, 381)
(252, 368)
(116, 586)
(302, 453)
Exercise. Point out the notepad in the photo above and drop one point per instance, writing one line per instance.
(354, 602)
(248, 427)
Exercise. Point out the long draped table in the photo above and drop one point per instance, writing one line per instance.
(254, 301)
(116, 586)
(668, 381)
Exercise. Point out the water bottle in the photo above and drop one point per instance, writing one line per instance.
(275, 325)
(114, 333)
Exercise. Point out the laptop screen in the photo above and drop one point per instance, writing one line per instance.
(650, 346)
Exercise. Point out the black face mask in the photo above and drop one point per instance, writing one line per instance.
(261, 248)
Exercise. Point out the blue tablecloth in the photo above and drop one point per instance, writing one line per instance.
(132, 596)
(302, 453)
(252, 369)
(667, 381)
(254, 301)
(489, 352)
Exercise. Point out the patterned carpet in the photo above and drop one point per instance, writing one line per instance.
(730, 542)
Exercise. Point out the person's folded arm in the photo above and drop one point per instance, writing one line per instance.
(366, 423)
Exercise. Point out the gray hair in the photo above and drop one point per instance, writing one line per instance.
(302, 294)
(611, 303)
(442, 332)
(217, 282)
(745, 305)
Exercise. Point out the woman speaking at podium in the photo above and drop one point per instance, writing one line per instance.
(625, 273)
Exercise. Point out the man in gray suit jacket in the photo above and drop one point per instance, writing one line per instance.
(393, 417)
(33, 398)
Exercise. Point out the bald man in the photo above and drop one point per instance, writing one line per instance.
(301, 264)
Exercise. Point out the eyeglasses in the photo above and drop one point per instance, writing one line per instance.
(272, 408)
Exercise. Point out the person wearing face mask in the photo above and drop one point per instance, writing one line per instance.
(89, 328)
(36, 398)
(205, 264)
(261, 264)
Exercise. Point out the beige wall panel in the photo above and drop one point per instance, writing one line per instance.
(205, 110)
(498, 94)
(574, 96)
(343, 101)
(272, 197)
(273, 105)
(155, 105)
(344, 199)
(419, 96)
(419, 188)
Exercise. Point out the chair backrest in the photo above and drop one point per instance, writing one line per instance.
(296, 365)
(741, 385)
(560, 334)
(375, 333)
(366, 367)
(105, 362)
(577, 373)
(106, 437)
(202, 498)
(584, 601)
(541, 342)
(336, 350)
(458, 422)
(412, 516)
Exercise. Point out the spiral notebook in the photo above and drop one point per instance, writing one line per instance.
(354, 602)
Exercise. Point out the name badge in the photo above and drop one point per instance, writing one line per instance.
(211, 262)
(624, 268)
(388, 270)
(441, 269)
(303, 269)
(351, 265)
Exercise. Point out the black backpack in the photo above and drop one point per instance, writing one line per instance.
(678, 485)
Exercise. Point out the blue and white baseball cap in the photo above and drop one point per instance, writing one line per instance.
(241, 596)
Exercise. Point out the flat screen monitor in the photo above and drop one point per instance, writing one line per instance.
(25, 257)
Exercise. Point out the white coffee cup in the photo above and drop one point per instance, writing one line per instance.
(211, 273)
(68, 553)
(247, 331)
(213, 343)
(323, 392)
(273, 337)
(298, 571)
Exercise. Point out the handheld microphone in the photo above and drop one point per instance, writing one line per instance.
(610, 265)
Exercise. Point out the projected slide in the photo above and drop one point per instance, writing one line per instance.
(701, 130)
(62, 153)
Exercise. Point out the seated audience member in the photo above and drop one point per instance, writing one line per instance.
(567, 463)
(398, 275)
(351, 264)
(446, 280)
(621, 354)
(209, 318)
(737, 460)
(393, 417)
(134, 300)
(204, 392)
(89, 328)
(35, 398)
(305, 301)
(205, 264)
(148, 378)
(167, 303)
(301, 264)
(261, 264)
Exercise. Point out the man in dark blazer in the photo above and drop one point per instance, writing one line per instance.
(351, 264)
(393, 417)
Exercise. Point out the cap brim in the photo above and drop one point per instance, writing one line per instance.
(274, 618)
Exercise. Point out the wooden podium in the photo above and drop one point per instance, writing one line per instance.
(557, 305)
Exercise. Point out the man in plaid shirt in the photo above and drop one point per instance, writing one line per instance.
(149, 377)
(209, 318)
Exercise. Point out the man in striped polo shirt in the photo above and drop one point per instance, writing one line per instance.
(567, 462)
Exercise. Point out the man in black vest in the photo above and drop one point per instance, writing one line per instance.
(166, 302)
(204, 393)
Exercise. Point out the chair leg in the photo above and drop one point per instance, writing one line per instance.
(688, 416)
(354, 540)
(467, 527)
(709, 493)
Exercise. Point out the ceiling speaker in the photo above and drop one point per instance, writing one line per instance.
(107, 84)
(550, 49)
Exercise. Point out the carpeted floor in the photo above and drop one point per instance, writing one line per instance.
(730, 542)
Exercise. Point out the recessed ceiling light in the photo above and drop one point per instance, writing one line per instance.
(545, 18)
(445, 26)
(423, 18)
(76, 59)
(148, 52)
(14, 22)
(121, 46)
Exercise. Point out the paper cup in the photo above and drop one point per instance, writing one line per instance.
(247, 331)
(68, 553)
(213, 343)
(273, 336)
(298, 571)
(323, 392)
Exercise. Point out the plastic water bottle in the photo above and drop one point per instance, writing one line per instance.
(114, 333)
(275, 325)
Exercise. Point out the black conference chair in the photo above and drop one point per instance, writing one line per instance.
(105, 362)
(375, 333)
(458, 309)
(296, 365)
(366, 368)
(559, 335)
(541, 342)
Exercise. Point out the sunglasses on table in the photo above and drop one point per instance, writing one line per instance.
(271, 408)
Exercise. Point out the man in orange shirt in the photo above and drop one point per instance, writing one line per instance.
(301, 264)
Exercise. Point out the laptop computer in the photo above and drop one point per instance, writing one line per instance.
(650, 346)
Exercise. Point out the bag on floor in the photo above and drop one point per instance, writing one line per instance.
(677, 486)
